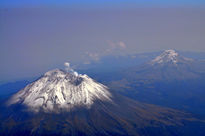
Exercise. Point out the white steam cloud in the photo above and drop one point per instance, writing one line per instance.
(69, 69)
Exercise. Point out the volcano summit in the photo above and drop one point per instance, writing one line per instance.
(58, 89)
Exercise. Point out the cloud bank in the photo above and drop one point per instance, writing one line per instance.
(111, 48)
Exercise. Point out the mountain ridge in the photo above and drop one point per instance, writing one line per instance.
(176, 85)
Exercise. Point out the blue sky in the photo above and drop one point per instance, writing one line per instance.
(90, 3)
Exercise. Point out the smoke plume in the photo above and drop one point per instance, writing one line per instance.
(69, 69)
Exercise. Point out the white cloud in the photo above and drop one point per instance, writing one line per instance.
(116, 45)
(113, 48)
(94, 56)
(122, 44)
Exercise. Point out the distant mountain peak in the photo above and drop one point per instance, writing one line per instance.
(58, 89)
(169, 56)
(170, 53)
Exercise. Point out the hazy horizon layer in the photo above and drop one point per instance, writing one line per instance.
(37, 36)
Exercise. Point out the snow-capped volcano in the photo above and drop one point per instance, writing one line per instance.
(58, 89)
(89, 109)
(169, 56)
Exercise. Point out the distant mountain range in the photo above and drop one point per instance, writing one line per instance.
(168, 66)
(62, 103)
(168, 80)
(112, 63)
